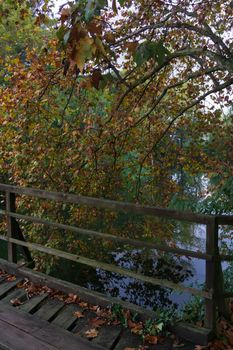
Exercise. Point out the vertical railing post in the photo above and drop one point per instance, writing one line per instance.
(10, 207)
(211, 273)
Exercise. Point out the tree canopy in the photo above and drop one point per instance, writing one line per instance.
(132, 96)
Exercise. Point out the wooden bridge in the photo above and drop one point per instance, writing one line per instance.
(213, 293)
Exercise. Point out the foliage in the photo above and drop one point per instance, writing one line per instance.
(125, 101)
(194, 311)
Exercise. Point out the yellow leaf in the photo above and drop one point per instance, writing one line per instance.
(91, 333)
(78, 314)
(83, 51)
(100, 47)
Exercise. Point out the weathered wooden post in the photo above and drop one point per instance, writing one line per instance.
(10, 207)
(211, 273)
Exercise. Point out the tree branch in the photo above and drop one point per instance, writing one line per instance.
(185, 109)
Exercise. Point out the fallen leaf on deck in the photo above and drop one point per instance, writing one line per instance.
(11, 278)
(72, 298)
(94, 307)
(16, 302)
(91, 333)
(97, 322)
(83, 304)
(151, 339)
(78, 314)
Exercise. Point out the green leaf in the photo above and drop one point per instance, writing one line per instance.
(150, 49)
(93, 8)
(122, 2)
(66, 37)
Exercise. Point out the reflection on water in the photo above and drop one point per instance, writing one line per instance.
(178, 269)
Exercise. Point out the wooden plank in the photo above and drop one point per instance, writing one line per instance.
(5, 287)
(224, 219)
(83, 321)
(225, 257)
(128, 340)
(115, 269)
(136, 243)
(11, 227)
(65, 340)
(108, 204)
(42, 330)
(32, 304)
(19, 294)
(196, 335)
(15, 339)
(66, 319)
(49, 309)
(2, 278)
(211, 274)
(108, 336)
(85, 294)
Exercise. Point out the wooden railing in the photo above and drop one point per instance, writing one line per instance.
(213, 293)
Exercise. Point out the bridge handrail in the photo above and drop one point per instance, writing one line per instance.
(211, 256)
(108, 204)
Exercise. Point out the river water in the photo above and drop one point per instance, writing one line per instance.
(180, 269)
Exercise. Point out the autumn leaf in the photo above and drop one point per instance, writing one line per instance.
(83, 51)
(94, 307)
(65, 14)
(97, 322)
(11, 278)
(72, 298)
(83, 304)
(91, 333)
(78, 314)
(16, 302)
(151, 339)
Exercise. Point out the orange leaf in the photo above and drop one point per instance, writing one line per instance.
(83, 304)
(16, 302)
(151, 339)
(91, 333)
(97, 322)
(78, 314)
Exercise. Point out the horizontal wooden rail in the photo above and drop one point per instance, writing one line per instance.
(128, 241)
(108, 204)
(109, 267)
(224, 219)
(214, 283)
(226, 257)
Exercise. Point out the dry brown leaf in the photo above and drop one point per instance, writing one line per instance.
(72, 298)
(16, 302)
(94, 307)
(151, 339)
(11, 278)
(97, 322)
(78, 314)
(91, 333)
(83, 305)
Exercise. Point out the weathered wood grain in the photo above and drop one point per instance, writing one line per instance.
(31, 329)
(108, 336)
(49, 309)
(19, 294)
(107, 204)
(66, 319)
(6, 286)
(33, 303)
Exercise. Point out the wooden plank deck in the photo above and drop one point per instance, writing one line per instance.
(43, 322)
